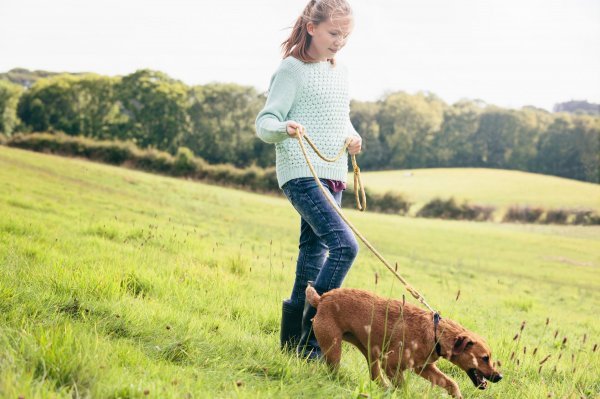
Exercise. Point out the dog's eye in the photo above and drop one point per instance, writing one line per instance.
(486, 359)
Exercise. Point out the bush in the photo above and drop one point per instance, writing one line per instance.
(585, 217)
(153, 160)
(125, 153)
(556, 216)
(41, 142)
(251, 176)
(449, 209)
(478, 213)
(438, 208)
(221, 174)
(523, 214)
(594, 219)
(551, 216)
(184, 163)
(390, 202)
(3, 139)
(113, 153)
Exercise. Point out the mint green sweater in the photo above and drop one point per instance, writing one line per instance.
(316, 96)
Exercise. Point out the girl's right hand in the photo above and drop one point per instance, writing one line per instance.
(294, 129)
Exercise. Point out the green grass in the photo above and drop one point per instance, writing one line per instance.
(499, 188)
(121, 284)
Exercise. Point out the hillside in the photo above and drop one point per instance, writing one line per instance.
(121, 284)
(497, 187)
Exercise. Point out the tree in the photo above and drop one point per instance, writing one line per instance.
(154, 109)
(587, 140)
(533, 122)
(496, 137)
(50, 104)
(96, 106)
(570, 148)
(222, 117)
(453, 146)
(9, 98)
(363, 116)
(408, 125)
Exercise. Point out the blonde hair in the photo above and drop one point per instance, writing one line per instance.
(316, 11)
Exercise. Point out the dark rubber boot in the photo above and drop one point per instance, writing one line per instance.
(308, 347)
(291, 325)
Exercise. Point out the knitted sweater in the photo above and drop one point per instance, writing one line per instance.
(316, 96)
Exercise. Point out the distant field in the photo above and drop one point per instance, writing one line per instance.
(116, 283)
(500, 188)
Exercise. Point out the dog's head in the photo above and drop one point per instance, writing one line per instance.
(472, 354)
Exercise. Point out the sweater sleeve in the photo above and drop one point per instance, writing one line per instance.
(271, 122)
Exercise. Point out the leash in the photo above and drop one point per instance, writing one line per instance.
(361, 202)
(408, 287)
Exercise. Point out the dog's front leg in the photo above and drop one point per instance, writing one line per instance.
(436, 377)
(377, 374)
(374, 359)
(396, 377)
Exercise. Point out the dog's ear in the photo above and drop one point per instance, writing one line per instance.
(462, 342)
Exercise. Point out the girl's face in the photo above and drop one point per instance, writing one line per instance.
(329, 37)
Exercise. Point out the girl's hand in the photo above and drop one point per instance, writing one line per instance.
(355, 145)
(294, 129)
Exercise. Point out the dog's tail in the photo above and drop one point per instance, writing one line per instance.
(312, 296)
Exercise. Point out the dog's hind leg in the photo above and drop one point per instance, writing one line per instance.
(330, 341)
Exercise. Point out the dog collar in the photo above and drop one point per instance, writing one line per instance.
(436, 321)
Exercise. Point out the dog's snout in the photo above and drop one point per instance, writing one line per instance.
(496, 377)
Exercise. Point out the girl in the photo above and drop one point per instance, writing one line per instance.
(309, 93)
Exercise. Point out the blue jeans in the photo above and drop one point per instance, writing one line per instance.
(321, 230)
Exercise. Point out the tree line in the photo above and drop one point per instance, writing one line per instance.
(216, 122)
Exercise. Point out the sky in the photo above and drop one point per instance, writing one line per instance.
(510, 53)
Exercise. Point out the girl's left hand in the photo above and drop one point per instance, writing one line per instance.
(355, 145)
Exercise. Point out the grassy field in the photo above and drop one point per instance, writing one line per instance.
(121, 284)
(499, 188)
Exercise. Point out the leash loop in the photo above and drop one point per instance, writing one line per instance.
(361, 202)
(358, 185)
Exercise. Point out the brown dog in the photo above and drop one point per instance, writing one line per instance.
(394, 337)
